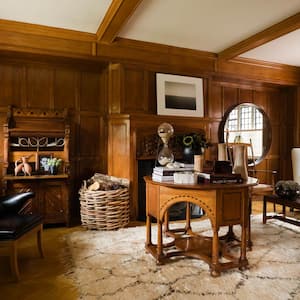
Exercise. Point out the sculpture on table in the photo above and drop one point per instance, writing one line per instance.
(165, 155)
(23, 165)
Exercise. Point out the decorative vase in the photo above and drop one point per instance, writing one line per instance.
(188, 155)
(240, 162)
(53, 170)
(198, 162)
(222, 151)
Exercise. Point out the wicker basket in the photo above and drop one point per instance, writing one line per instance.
(104, 210)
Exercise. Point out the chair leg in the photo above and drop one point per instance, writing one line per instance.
(14, 260)
(39, 241)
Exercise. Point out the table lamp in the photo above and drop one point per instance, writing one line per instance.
(165, 155)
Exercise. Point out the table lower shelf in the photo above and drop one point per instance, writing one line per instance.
(200, 247)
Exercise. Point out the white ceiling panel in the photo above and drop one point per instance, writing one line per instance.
(81, 15)
(284, 50)
(210, 25)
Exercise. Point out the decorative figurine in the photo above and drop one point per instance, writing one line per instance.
(23, 166)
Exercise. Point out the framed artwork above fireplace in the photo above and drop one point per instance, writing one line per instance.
(179, 95)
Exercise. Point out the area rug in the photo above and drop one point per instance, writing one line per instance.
(114, 265)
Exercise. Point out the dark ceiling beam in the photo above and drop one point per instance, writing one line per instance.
(284, 27)
(116, 16)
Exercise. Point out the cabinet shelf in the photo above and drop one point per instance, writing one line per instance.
(32, 177)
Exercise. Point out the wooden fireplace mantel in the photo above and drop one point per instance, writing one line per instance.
(134, 137)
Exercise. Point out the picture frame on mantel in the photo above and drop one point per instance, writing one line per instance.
(179, 95)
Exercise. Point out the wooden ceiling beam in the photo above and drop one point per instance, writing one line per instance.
(117, 15)
(284, 27)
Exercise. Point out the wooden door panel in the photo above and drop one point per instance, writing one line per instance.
(54, 202)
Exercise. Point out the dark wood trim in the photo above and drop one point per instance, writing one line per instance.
(250, 69)
(117, 15)
(54, 44)
(42, 30)
(288, 25)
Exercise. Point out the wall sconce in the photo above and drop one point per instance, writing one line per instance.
(165, 155)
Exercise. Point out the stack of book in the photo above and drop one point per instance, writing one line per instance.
(164, 174)
(219, 178)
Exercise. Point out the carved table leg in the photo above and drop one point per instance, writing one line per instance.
(166, 221)
(148, 231)
(249, 241)
(159, 241)
(188, 217)
(215, 270)
(243, 257)
(264, 210)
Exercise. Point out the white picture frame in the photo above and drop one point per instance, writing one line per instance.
(179, 95)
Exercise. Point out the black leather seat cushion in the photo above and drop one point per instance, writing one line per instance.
(12, 226)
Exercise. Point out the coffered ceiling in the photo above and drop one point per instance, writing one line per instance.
(266, 30)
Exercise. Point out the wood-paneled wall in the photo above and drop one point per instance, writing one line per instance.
(135, 116)
(52, 86)
(110, 91)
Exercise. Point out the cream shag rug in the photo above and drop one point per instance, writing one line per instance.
(114, 265)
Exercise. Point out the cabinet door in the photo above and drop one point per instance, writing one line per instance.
(54, 196)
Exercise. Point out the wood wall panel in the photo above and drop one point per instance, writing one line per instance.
(135, 85)
(66, 88)
(86, 167)
(261, 100)
(90, 91)
(39, 87)
(277, 139)
(36, 39)
(215, 104)
(26, 83)
(89, 137)
(10, 85)
(230, 98)
(103, 93)
(119, 148)
(151, 93)
(276, 106)
(115, 88)
(245, 95)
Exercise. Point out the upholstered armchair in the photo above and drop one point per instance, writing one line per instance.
(15, 226)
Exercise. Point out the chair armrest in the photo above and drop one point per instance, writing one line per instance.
(14, 203)
(272, 172)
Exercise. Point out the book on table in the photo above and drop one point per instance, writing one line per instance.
(165, 171)
(162, 178)
(219, 178)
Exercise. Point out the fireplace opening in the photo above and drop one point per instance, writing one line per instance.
(176, 212)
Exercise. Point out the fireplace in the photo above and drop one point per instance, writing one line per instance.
(132, 149)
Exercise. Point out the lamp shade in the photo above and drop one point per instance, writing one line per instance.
(296, 164)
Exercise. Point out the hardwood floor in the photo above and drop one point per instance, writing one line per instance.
(40, 277)
(43, 278)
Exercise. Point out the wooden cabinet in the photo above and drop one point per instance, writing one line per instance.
(37, 135)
